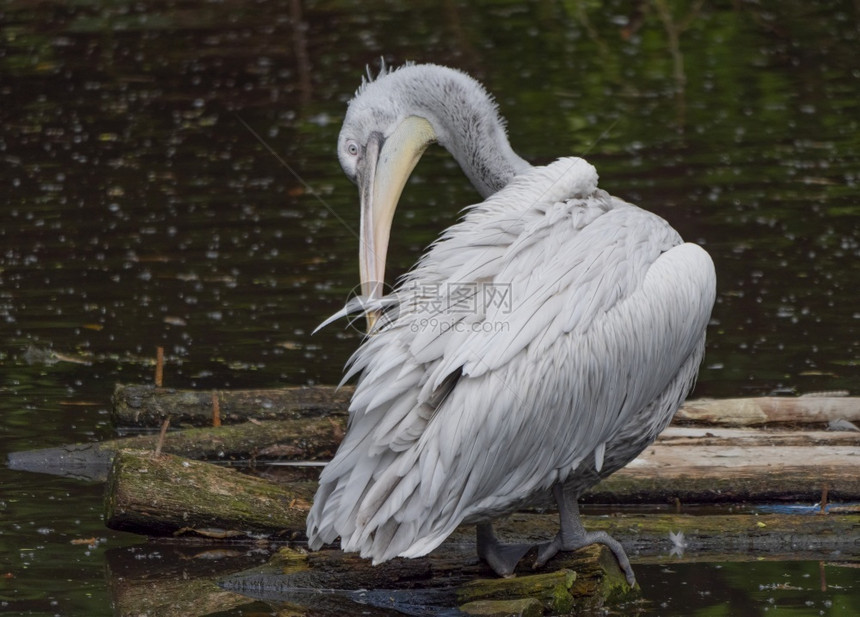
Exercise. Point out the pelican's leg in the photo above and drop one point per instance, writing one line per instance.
(502, 558)
(572, 535)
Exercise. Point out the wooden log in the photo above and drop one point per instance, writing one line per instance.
(163, 577)
(170, 495)
(708, 537)
(304, 439)
(582, 581)
(801, 410)
(737, 465)
(693, 465)
(521, 607)
(575, 582)
(330, 581)
(167, 494)
(147, 406)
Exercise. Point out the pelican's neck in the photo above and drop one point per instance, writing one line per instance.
(467, 124)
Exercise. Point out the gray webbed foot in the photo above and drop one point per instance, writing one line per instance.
(502, 558)
(572, 536)
(549, 549)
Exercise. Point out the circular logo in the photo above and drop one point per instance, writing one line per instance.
(360, 313)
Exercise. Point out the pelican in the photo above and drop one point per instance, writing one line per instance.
(540, 343)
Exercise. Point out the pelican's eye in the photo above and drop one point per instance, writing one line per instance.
(352, 148)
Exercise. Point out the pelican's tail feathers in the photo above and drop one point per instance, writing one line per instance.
(371, 502)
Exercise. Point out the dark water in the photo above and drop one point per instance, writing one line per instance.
(140, 210)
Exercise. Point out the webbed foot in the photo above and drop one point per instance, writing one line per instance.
(502, 558)
(572, 536)
(549, 549)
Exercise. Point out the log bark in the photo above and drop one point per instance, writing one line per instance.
(303, 439)
(575, 582)
(167, 495)
(164, 578)
(147, 406)
(170, 495)
(331, 582)
(696, 465)
(800, 411)
(693, 465)
(707, 537)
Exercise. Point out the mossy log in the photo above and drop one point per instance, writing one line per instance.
(169, 495)
(693, 465)
(331, 582)
(147, 406)
(705, 536)
(163, 578)
(302, 439)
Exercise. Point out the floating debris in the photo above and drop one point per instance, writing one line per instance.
(678, 544)
(40, 355)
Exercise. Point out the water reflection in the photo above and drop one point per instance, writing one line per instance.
(723, 589)
(140, 211)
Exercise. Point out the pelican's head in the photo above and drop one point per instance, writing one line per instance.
(381, 141)
(389, 124)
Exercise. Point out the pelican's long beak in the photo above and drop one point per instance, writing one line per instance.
(388, 163)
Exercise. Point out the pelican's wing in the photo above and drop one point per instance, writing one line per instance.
(525, 339)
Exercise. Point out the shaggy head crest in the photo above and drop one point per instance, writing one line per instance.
(384, 69)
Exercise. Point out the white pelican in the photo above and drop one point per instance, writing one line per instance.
(540, 344)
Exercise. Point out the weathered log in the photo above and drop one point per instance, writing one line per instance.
(330, 581)
(170, 495)
(696, 465)
(303, 439)
(167, 495)
(451, 575)
(166, 585)
(708, 537)
(801, 410)
(584, 580)
(693, 465)
(147, 406)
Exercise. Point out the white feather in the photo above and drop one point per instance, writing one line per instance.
(565, 380)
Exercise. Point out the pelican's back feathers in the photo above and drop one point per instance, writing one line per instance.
(547, 337)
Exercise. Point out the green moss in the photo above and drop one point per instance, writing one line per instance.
(524, 607)
(551, 589)
(562, 601)
(290, 560)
